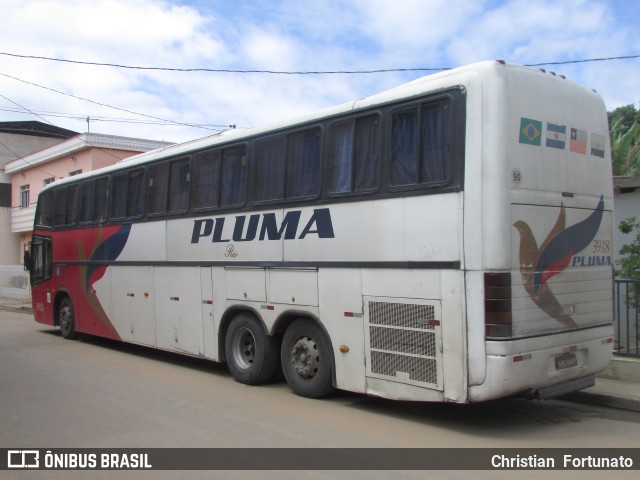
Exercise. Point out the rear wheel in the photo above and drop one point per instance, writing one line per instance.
(252, 355)
(307, 359)
(66, 319)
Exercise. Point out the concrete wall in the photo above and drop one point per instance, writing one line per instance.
(14, 282)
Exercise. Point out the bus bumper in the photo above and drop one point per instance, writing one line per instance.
(546, 366)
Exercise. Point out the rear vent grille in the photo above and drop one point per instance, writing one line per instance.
(403, 341)
(419, 369)
(400, 314)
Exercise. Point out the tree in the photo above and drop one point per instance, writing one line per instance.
(630, 252)
(624, 131)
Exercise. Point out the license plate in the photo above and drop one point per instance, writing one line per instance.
(566, 360)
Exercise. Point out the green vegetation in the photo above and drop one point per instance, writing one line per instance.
(624, 131)
(630, 261)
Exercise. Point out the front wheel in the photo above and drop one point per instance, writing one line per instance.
(66, 319)
(252, 355)
(307, 360)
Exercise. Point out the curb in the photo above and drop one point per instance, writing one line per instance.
(604, 400)
(16, 309)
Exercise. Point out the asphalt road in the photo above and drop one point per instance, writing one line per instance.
(57, 393)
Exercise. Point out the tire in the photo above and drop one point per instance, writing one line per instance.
(252, 356)
(67, 319)
(307, 360)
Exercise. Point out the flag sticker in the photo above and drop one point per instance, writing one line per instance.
(578, 142)
(556, 135)
(530, 131)
(597, 145)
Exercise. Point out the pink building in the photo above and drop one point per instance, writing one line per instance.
(82, 153)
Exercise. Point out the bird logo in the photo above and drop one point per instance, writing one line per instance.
(539, 264)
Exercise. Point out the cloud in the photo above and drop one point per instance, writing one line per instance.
(285, 35)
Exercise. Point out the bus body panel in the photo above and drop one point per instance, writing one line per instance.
(132, 306)
(393, 230)
(341, 310)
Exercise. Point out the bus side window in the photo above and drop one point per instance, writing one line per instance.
(180, 181)
(367, 153)
(86, 201)
(135, 193)
(72, 205)
(303, 164)
(44, 216)
(404, 147)
(119, 189)
(421, 145)
(268, 181)
(101, 200)
(354, 151)
(435, 143)
(158, 188)
(206, 180)
(60, 208)
(234, 176)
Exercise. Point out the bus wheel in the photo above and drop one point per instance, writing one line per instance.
(66, 319)
(306, 359)
(252, 356)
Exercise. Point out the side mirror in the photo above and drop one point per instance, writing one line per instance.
(27, 261)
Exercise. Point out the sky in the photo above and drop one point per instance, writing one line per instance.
(233, 37)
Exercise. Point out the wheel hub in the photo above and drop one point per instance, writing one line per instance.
(65, 317)
(244, 348)
(305, 357)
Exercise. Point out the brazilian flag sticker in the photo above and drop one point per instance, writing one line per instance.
(530, 131)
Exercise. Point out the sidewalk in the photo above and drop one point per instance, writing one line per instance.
(607, 392)
(15, 305)
(620, 394)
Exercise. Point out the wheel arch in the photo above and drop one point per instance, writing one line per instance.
(60, 294)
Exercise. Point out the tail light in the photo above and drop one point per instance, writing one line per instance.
(497, 305)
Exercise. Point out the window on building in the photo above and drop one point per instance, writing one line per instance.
(24, 196)
(75, 172)
(47, 181)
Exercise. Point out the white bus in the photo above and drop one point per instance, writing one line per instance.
(446, 240)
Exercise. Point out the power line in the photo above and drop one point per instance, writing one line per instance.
(105, 150)
(108, 106)
(310, 72)
(18, 156)
(26, 109)
(98, 118)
